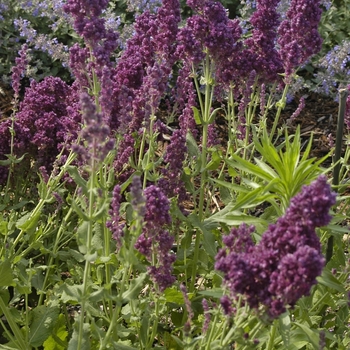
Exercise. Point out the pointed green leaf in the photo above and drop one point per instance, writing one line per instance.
(44, 320)
(74, 173)
(85, 337)
(197, 116)
(135, 287)
(28, 221)
(312, 335)
(330, 281)
(6, 277)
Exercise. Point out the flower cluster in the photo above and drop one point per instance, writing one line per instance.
(298, 36)
(96, 134)
(171, 183)
(210, 30)
(100, 41)
(347, 110)
(46, 121)
(143, 70)
(333, 67)
(261, 45)
(113, 224)
(19, 69)
(284, 265)
(155, 242)
(42, 42)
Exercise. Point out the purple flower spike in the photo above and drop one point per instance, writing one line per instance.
(155, 241)
(19, 69)
(283, 267)
(96, 133)
(298, 33)
(114, 223)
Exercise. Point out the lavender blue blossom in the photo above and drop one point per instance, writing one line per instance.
(18, 70)
(284, 265)
(347, 111)
(125, 150)
(42, 42)
(3, 8)
(298, 37)
(333, 67)
(262, 98)
(140, 6)
(189, 309)
(155, 242)
(45, 8)
(210, 30)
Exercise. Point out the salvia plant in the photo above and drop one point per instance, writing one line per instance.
(129, 222)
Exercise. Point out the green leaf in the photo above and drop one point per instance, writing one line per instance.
(213, 115)
(208, 237)
(44, 320)
(135, 287)
(192, 146)
(329, 280)
(144, 329)
(71, 293)
(81, 236)
(239, 163)
(284, 328)
(74, 173)
(172, 295)
(85, 337)
(197, 116)
(12, 159)
(78, 210)
(120, 346)
(216, 293)
(233, 218)
(312, 335)
(58, 339)
(28, 222)
(6, 277)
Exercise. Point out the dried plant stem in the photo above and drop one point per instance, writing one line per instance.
(343, 93)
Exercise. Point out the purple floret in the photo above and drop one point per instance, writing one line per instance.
(284, 265)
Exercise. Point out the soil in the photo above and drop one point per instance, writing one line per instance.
(319, 117)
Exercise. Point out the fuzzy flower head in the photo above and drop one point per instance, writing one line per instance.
(95, 134)
(155, 241)
(211, 31)
(298, 36)
(46, 122)
(18, 69)
(284, 265)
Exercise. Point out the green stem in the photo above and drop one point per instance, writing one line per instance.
(112, 325)
(155, 326)
(86, 277)
(42, 201)
(280, 106)
(16, 331)
(204, 175)
(270, 344)
(54, 252)
(150, 152)
(343, 93)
